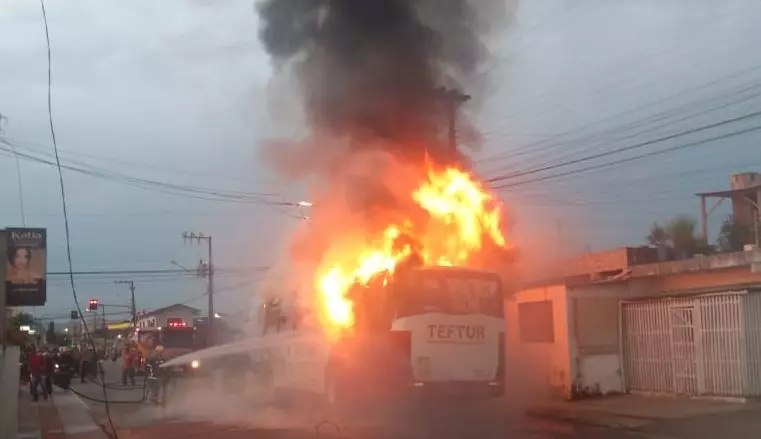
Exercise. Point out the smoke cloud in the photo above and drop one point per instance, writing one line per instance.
(369, 72)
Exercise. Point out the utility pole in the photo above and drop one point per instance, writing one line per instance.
(452, 100)
(3, 309)
(209, 271)
(104, 326)
(132, 299)
(94, 324)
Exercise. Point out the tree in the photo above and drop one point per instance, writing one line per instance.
(681, 231)
(22, 319)
(658, 236)
(678, 235)
(734, 236)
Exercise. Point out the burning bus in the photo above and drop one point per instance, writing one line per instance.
(388, 284)
(412, 311)
(425, 331)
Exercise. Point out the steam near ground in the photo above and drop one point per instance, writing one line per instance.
(249, 406)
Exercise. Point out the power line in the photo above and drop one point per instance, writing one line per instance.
(685, 113)
(67, 234)
(627, 148)
(18, 174)
(556, 140)
(132, 272)
(106, 174)
(630, 159)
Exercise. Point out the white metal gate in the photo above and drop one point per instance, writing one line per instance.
(705, 345)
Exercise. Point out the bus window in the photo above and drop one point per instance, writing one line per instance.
(450, 292)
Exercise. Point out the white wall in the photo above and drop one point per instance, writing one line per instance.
(594, 337)
(538, 371)
(9, 384)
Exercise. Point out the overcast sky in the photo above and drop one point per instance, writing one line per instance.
(176, 91)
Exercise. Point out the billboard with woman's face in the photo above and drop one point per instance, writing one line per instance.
(25, 265)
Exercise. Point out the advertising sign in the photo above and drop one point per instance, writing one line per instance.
(25, 266)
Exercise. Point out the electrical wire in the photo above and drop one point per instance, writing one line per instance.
(196, 192)
(554, 99)
(113, 433)
(628, 147)
(545, 145)
(19, 182)
(192, 192)
(630, 159)
(686, 112)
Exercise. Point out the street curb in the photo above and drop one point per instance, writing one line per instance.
(597, 419)
(75, 416)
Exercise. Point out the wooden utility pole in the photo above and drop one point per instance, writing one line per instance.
(132, 299)
(3, 309)
(198, 237)
(452, 101)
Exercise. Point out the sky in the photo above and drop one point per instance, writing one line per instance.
(179, 92)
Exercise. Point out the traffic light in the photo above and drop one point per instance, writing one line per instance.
(93, 305)
(74, 315)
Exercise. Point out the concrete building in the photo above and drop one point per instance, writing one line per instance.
(689, 327)
(158, 317)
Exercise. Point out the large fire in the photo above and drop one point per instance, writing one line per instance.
(461, 215)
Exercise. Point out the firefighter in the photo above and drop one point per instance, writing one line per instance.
(158, 377)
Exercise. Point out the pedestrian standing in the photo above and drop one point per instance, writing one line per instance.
(47, 380)
(128, 366)
(36, 370)
(87, 364)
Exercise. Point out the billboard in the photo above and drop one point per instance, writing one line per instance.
(25, 266)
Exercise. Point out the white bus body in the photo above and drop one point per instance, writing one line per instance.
(426, 349)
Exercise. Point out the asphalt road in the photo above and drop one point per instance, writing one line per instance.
(197, 410)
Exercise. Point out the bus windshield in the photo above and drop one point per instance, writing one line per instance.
(451, 292)
(178, 338)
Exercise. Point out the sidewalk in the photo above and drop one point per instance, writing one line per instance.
(675, 416)
(64, 416)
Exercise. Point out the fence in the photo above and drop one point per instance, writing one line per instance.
(704, 345)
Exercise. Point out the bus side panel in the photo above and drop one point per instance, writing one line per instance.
(297, 365)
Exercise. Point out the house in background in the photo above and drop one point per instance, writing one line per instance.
(158, 318)
(619, 322)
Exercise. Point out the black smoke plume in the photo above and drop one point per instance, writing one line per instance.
(370, 71)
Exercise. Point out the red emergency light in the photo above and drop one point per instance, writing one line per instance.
(176, 323)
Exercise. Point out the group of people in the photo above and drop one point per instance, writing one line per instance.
(38, 365)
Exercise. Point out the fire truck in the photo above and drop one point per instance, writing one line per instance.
(425, 332)
(177, 338)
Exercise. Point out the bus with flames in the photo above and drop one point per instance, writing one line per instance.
(176, 339)
(426, 331)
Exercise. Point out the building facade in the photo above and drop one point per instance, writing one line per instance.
(158, 318)
(683, 327)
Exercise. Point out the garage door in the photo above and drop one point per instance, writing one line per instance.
(706, 345)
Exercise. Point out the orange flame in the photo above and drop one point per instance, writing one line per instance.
(461, 216)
